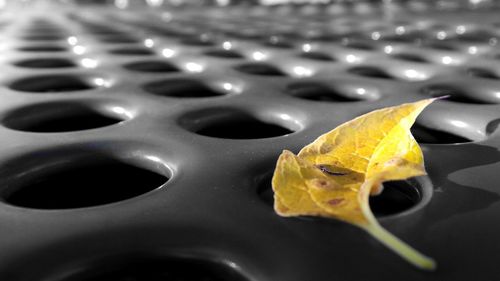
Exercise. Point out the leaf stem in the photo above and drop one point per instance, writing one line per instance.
(399, 247)
(385, 237)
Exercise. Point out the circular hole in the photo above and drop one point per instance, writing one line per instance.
(432, 136)
(453, 93)
(410, 57)
(44, 33)
(244, 33)
(232, 124)
(397, 196)
(318, 92)
(370, 71)
(118, 39)
(104, 30)
(224, 54)
(108, 32)
(63, 179)
(156, 269)
(359, 46)
(42, 29)
(197, 41)
(151, 66)
(42, 48)
(42, 37)
(316, 56)
(259, 69)
(60, 117)
(278, 43)
(405, 37)
(477, 36)
(481, 73)
(45, 63)
(492, 126)
(180, 88)
(440, 46)
(50, 84)
(132, 51)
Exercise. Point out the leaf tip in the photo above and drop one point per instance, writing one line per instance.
(441, 97)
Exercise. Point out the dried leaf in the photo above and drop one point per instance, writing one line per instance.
(334, 176)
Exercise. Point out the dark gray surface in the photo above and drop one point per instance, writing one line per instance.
(213, 207)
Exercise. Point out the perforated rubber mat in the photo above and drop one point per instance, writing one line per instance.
(138, 144)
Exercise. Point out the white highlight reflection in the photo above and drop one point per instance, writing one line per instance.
(441, 35)
(259, 56)
(447, 60)
(460, 29)
(72, 40)
(352, 58)
(154, 158)
(472, 50)
(412, 74)
(302, 71)
(121, 111)
(227, 45)
(375, 35)
(227, 86)
(458, 123)
(168, 53)
(194, 67)
(361, 91)
(79, 50)
(89, 63)
(149, 42)
(400, 30)
(101, 82)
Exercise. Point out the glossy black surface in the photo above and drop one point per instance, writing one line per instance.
(150, 157)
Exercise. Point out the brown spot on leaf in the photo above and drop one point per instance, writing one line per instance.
(321, 183)
(335, 202)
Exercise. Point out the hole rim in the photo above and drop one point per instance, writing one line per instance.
(260, 70)
(317, 56)
(319, 92)
(74, 157)
(23, 118)
(370, 72)
(217, 266)
(455, 95)
(73, 84)
(151, 66)
(420, 132)
(43, 37)
(223, 54)
(132, 51)
(175, 87)
(208, 118)
(42, 48)
(45, 63)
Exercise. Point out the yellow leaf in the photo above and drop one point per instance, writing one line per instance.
(334, 175)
